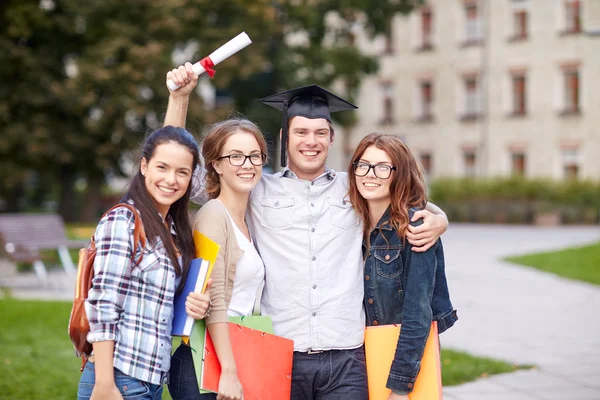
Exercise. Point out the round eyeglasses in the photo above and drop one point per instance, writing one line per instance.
(238, 160)
(381, 171)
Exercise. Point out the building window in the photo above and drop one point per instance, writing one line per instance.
(473, 23)
(426, 29)
(520, 25)
(425, 159)
(387, 89)
(519, 89)
(518, 163)
(469, 162)
(571, 163)
(426, 94)
(472, 98)
(571, 87)
(573, 15)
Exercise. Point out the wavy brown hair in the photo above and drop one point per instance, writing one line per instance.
(407, 188)
(215, 140)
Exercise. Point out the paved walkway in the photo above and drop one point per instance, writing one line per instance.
(506, 312)
(522, 315)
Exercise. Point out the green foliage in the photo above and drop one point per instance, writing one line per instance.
(583, 193)
(580, 263)
(516, 200)
(82, 82)
(35, 347)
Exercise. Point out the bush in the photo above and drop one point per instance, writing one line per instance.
(516, 200)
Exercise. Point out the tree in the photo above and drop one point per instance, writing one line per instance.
(84, 81)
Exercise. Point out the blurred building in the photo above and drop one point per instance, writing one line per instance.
(488, 88)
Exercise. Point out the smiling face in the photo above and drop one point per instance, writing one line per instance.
(239, 179)
(167, 174)
(372, 188)
(308, 144)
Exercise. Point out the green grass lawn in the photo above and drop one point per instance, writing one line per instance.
(580, 263)
(37, 360)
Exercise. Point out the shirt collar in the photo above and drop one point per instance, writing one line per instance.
(325, 177)
(169, 219)
(383, 221)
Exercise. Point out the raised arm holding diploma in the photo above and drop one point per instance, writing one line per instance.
(207, 63)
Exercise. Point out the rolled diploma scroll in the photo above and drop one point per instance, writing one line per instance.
(227, 50)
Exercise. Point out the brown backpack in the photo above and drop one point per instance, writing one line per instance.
(79, 325)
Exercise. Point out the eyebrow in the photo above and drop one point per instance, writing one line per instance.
(167, 165)
(241, 152)
(379, 162)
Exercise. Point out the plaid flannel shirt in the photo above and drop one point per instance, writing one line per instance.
(132, 306)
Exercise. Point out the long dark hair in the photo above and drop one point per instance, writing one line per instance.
(178, 212)
(407, 187)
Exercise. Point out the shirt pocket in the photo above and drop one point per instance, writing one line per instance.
(342, 213)
(388, 263)
(151, 263)
(277, 212)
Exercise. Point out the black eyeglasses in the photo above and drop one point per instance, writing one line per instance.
(238, 160)
(381, 171)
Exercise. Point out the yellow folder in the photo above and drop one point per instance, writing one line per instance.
(207, 250)
(380, 347)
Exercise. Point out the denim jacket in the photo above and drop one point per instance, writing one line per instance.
(407, 287)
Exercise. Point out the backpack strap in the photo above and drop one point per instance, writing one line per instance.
(139, 234)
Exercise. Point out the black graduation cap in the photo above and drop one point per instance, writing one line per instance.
(310, 101)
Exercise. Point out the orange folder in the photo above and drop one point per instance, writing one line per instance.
(380, 347)
(263, 361)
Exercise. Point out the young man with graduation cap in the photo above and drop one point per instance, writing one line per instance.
(310, 240)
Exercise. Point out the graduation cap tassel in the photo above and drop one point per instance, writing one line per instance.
(284, 134)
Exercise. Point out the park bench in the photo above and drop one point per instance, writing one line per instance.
(24, 235)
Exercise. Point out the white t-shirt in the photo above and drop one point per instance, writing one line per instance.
(249, 275)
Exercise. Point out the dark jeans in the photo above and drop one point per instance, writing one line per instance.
(183, 384)
(330, 375)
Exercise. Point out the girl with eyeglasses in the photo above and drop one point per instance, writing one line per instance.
(401, 286)
(234, 152)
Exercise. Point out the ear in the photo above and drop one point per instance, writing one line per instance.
(332, 137)
(280, 134)
(144, 166)
(217, 166)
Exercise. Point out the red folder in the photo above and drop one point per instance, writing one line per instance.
(263, 361)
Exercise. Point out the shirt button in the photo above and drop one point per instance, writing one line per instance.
(314, 314)
(367, 277)
(276, 203)
(314, 286)
(314, 258)
(172, 275)
(164, 320)
(312, 204)
(312, 230)
(375, 322)
(370, 301)
(409, 385)
(387, 257)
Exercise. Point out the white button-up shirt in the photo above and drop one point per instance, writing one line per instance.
(309, 238)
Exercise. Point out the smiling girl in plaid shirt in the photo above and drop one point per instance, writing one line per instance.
(130, 308)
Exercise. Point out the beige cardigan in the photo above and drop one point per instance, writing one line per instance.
(213, 221)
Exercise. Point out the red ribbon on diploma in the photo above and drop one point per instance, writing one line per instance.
(208, 65)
